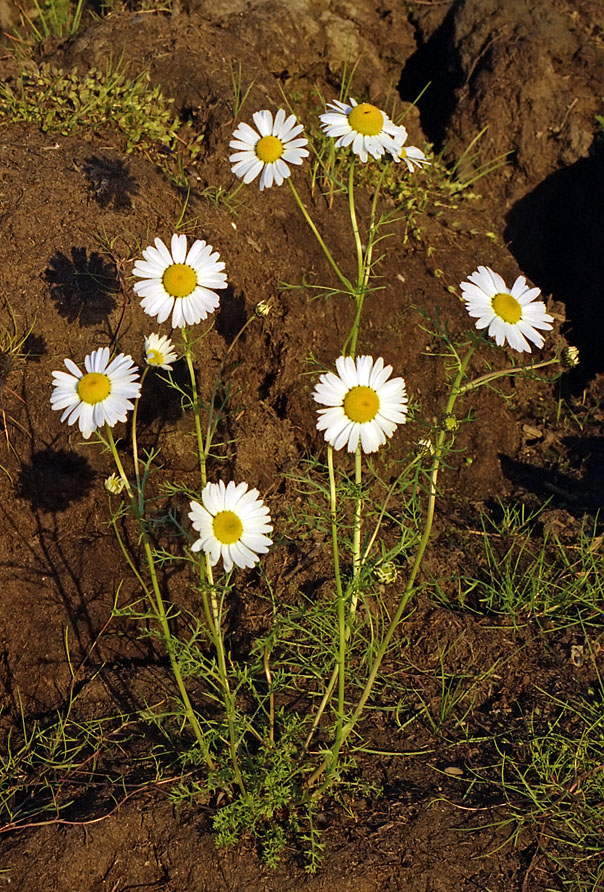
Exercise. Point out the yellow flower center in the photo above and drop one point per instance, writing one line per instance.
(227, 527)
(94, 387)
(269, 148)
(154, 357)
(361, 404)
(366, 119)
(179, 280)
(507, 307)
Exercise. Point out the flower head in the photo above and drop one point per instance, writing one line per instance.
(570, 357)
(114, 484)
(232, 522)
(101, 395)
(425, 446)
(160, 352)
(386, 573)
(180, 282)
(413, 157)
(269, 149)
(262, 308)
(362, 403)
(367, 129)
(512, 315)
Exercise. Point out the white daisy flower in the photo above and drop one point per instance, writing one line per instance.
(269, 149)
(413, 158)
(160, 352)
(362, 403)
(232, 523)
(103, 395)
(512, 315)
(367, 129)
(180, 282)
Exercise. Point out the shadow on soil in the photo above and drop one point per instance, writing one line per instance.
(434, 74)
(83, 286)
(555, 234)
(54, 479)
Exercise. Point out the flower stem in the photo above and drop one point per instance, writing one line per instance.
(364, 259)
(356, 536)
(341, 664)
(338, 673)
(326, 767)
(354, 224)
(345, 282)
(195, 406)
(159, 609)
(502, 373)
(356, 544)
(117, 460)
(135, 458)
(211, 607)
(229, 699)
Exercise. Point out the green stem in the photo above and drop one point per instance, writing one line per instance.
(502, 373)
(343, 622)
(195, 407)
(326, 765)
(354, 600)
(117, 460)
(363, 260)
(160, 612)
(141, 500)
(211, 426)
(354, 224)
(211, 607)
(340, 666)
(169, 641)
(356, 537)
(341, 662)
(350, 344)
(229, 699)
(345, 282)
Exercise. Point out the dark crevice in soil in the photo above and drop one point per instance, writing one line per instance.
(434, 72)
(231, 316)
(555, 234)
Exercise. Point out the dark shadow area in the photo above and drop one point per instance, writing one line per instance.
(435, 66)
(110, 181)
(576, 496)
(34, 347)
(555, 234)
(6, 365)
(82, 287)
(231, 315)
(159, 401)
(55, 479)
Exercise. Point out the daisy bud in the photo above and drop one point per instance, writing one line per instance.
(114, 484)
(386, 573)
(262, 308)
(570, 357)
